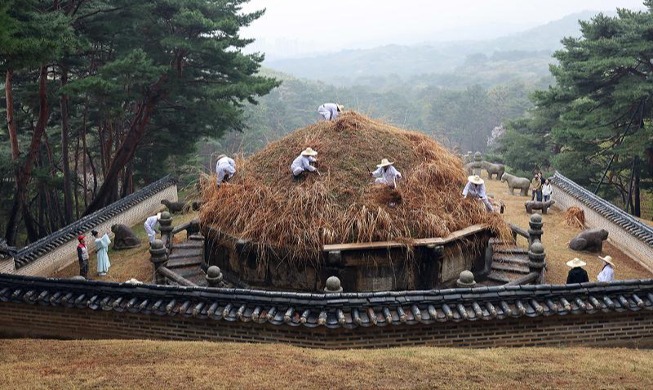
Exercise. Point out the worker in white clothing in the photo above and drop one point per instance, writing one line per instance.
(225, 168)
(149, 224)
(475, 188)
(386, 173)
(330, 111)
(303, 162)
(607, 273)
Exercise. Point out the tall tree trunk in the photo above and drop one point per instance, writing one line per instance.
(638, 209)
(65, 156)
(24, 172)
(12, 221)
(127, 149)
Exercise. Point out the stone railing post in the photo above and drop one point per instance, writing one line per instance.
(535, 231)
(537, 260)
(333, 285)
(214, 277)
(158, 257)
(165, 225)
(477, 165)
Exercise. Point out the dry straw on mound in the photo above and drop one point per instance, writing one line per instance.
(575, 217)
(263, 203)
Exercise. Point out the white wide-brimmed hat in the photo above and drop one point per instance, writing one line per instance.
(158, 215)
(607, 259)
(576, 262)
(384, 163)
(341, 108)
(475, 179)
(220, 157)
(309, 152)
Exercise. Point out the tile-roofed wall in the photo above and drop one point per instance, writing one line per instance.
(625, 231)
(56, 250)
(616, 314)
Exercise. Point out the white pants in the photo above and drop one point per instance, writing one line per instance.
(151, 234)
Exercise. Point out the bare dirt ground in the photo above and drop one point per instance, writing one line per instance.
(556, 237)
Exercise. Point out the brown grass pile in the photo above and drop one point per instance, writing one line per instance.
(575, 217)
(263, 203)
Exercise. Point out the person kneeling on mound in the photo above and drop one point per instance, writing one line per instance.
(475, 188)
(386, 173)
(303, 162)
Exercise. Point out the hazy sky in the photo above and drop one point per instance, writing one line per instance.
(336, 24)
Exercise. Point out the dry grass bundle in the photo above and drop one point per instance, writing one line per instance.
(575, 217)
(263, 203)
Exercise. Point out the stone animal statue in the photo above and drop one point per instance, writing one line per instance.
(589, 240)
(535, 205)
(174, 207)
(493, 169)
(521, 183)
(124, 237)
(193, 227)
(6, 251)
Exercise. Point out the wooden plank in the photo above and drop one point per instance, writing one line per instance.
(417, 242)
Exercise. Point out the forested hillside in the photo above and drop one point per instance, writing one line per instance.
(349, 67)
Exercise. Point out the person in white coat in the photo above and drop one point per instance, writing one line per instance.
(302, 163)
(386, 173)
(475, 188)
(225, 168)
(149, 224)
(607, 273)
(330, 111)
(547, 190)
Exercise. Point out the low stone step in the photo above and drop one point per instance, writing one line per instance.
(515, 250)
(194, 274)
(512, 268)
(188, 245)
(498, 277)
(196, 237)
(184, 262)
(521, 260)
(188, 252)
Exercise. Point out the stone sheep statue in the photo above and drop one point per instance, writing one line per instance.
(589, 240)
(493, 169)
(521, 183)
(174, 207)
(124, 237)
(535, 205)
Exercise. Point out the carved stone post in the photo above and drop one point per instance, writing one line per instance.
(535, 231)
(214, 277)
(158, 257)
(165, 225)
(466, 279)
(537, 261)
(477, 165)
(333, 285)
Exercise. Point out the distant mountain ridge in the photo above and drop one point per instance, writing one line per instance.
(346, 66)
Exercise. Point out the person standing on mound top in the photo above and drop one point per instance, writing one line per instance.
(330, 111)
(225, 168)
(475, 188)
(577, 274)
(386, 173)
(303, 162)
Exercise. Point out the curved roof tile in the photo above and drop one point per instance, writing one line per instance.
(342, 310)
